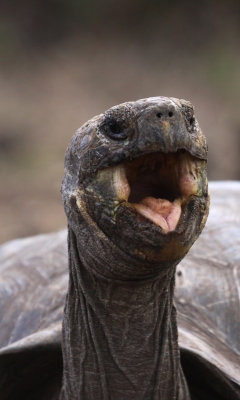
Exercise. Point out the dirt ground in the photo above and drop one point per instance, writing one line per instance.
(45, 97)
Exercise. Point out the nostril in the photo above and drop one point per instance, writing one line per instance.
(159, 114)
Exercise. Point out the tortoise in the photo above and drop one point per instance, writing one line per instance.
(136, 197)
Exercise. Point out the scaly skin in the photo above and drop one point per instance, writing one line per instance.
(119, 327)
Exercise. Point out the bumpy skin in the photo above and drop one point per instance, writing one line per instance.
(108, 317)
(119, 327)
(33, 284)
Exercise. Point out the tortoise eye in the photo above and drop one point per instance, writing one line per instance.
(116, 129)
(188, 113)
(192, 120)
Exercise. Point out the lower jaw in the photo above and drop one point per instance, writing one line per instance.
(142, 238)
(138, 236)
(157, 215)
(133, 224)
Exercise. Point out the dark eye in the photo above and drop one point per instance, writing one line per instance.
(116, 129)
(192, 120)
(188, 113)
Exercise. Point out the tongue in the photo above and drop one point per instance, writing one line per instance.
(160, 211)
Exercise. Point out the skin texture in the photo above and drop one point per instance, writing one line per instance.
(33, 286)
(120, 320)
(119, 327)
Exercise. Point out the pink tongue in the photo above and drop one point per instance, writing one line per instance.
(162, 212)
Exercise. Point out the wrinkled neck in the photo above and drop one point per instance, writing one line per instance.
(119, 336)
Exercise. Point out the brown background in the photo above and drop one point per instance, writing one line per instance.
(65, 61)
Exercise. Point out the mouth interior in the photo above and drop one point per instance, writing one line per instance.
(153, 176)
(158, 186)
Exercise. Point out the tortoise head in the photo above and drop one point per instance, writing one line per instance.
(137, 173)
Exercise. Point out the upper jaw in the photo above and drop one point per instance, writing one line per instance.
(157, 185)
(147, 129)
(126, 154)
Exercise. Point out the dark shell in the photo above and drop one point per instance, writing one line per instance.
(33, 286)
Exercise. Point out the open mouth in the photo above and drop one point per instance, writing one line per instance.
(158, 185)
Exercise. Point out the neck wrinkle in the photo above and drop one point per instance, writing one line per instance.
(119, 337)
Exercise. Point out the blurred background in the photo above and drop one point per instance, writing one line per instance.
(63, 61)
